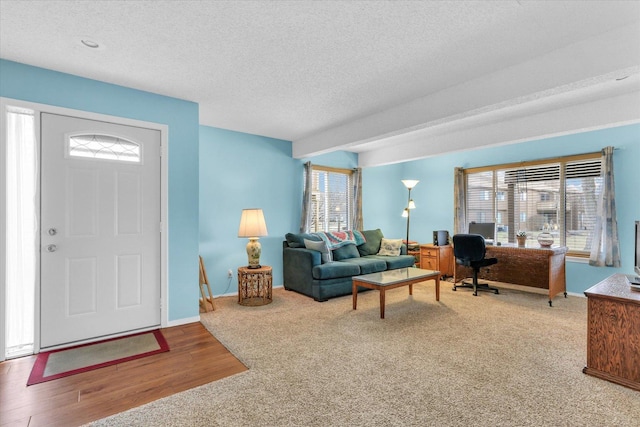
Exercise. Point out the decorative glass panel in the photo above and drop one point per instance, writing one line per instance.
(104, 147)
(18, 247)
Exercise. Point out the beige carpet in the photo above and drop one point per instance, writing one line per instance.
(491, 360)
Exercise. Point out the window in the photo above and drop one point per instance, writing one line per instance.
(331, 199)
(21, 232)
(557, 195)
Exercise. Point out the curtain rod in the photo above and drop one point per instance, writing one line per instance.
(536, 161)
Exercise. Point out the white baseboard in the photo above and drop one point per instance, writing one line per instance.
(187, 320)
(184, 321)
(230, 294)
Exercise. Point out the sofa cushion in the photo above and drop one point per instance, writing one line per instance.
(296, 240)
(390, 247)
(372, 244)
(394, 262)
(320, 247)
(346, 252)
(334, 270)
(367, 265)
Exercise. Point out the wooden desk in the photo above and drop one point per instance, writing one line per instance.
(542, 268)
(613, 332)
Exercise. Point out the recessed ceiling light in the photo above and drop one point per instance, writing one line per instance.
(90, 43)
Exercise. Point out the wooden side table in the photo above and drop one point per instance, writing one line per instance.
(439, 258)
(255, 285)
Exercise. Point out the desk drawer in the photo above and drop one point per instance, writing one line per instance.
(430, 253)
(429, 263)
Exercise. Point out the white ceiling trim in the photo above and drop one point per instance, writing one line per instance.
(548, 122)
(593, 61)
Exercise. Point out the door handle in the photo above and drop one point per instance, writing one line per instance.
(52, 248)
(52, 231)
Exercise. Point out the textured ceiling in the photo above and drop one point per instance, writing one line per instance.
(329, 75)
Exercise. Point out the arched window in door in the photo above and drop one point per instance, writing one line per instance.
(104, 147)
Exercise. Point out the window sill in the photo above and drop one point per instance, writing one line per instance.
(578, 259)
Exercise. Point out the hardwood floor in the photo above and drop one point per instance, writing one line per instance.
(195, 358)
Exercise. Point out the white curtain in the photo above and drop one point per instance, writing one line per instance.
(356, 214)
(605, 247)
(305, 221)
(459, 200)
(21, 227)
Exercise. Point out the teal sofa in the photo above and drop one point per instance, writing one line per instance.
(306, 273)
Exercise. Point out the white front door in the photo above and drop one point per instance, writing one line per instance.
(99, 229)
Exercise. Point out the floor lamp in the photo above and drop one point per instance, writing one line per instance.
(409, 183)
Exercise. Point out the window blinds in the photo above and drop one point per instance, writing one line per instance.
(558, 196)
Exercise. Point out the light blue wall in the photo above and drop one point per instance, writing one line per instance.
(23, 82)
(237, 171)
(384, 197)
(211, 181)
(434, 194)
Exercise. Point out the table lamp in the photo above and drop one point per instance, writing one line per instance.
(252, 226)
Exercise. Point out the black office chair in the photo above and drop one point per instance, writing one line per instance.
(469, 250)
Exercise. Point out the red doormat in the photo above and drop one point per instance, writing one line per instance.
(61, 363)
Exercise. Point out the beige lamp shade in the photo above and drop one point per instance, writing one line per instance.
(252, 223)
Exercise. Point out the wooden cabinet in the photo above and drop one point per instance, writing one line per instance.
(438, 258)
(613, 332)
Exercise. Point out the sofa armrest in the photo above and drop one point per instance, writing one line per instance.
(302, 257)
(298, 264)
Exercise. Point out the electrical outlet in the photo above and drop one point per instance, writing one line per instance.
(229, 273)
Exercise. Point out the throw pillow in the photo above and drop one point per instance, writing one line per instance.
(320, 247)
(372, 244)
(296, 240)
(390, 247)
(346, 252)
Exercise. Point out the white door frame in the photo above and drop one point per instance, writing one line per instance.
(164, 203)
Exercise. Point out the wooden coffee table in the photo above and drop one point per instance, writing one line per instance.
(392, 279)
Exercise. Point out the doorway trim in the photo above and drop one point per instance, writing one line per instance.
(38, 108)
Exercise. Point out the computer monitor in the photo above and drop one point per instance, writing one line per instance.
(485, 229)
